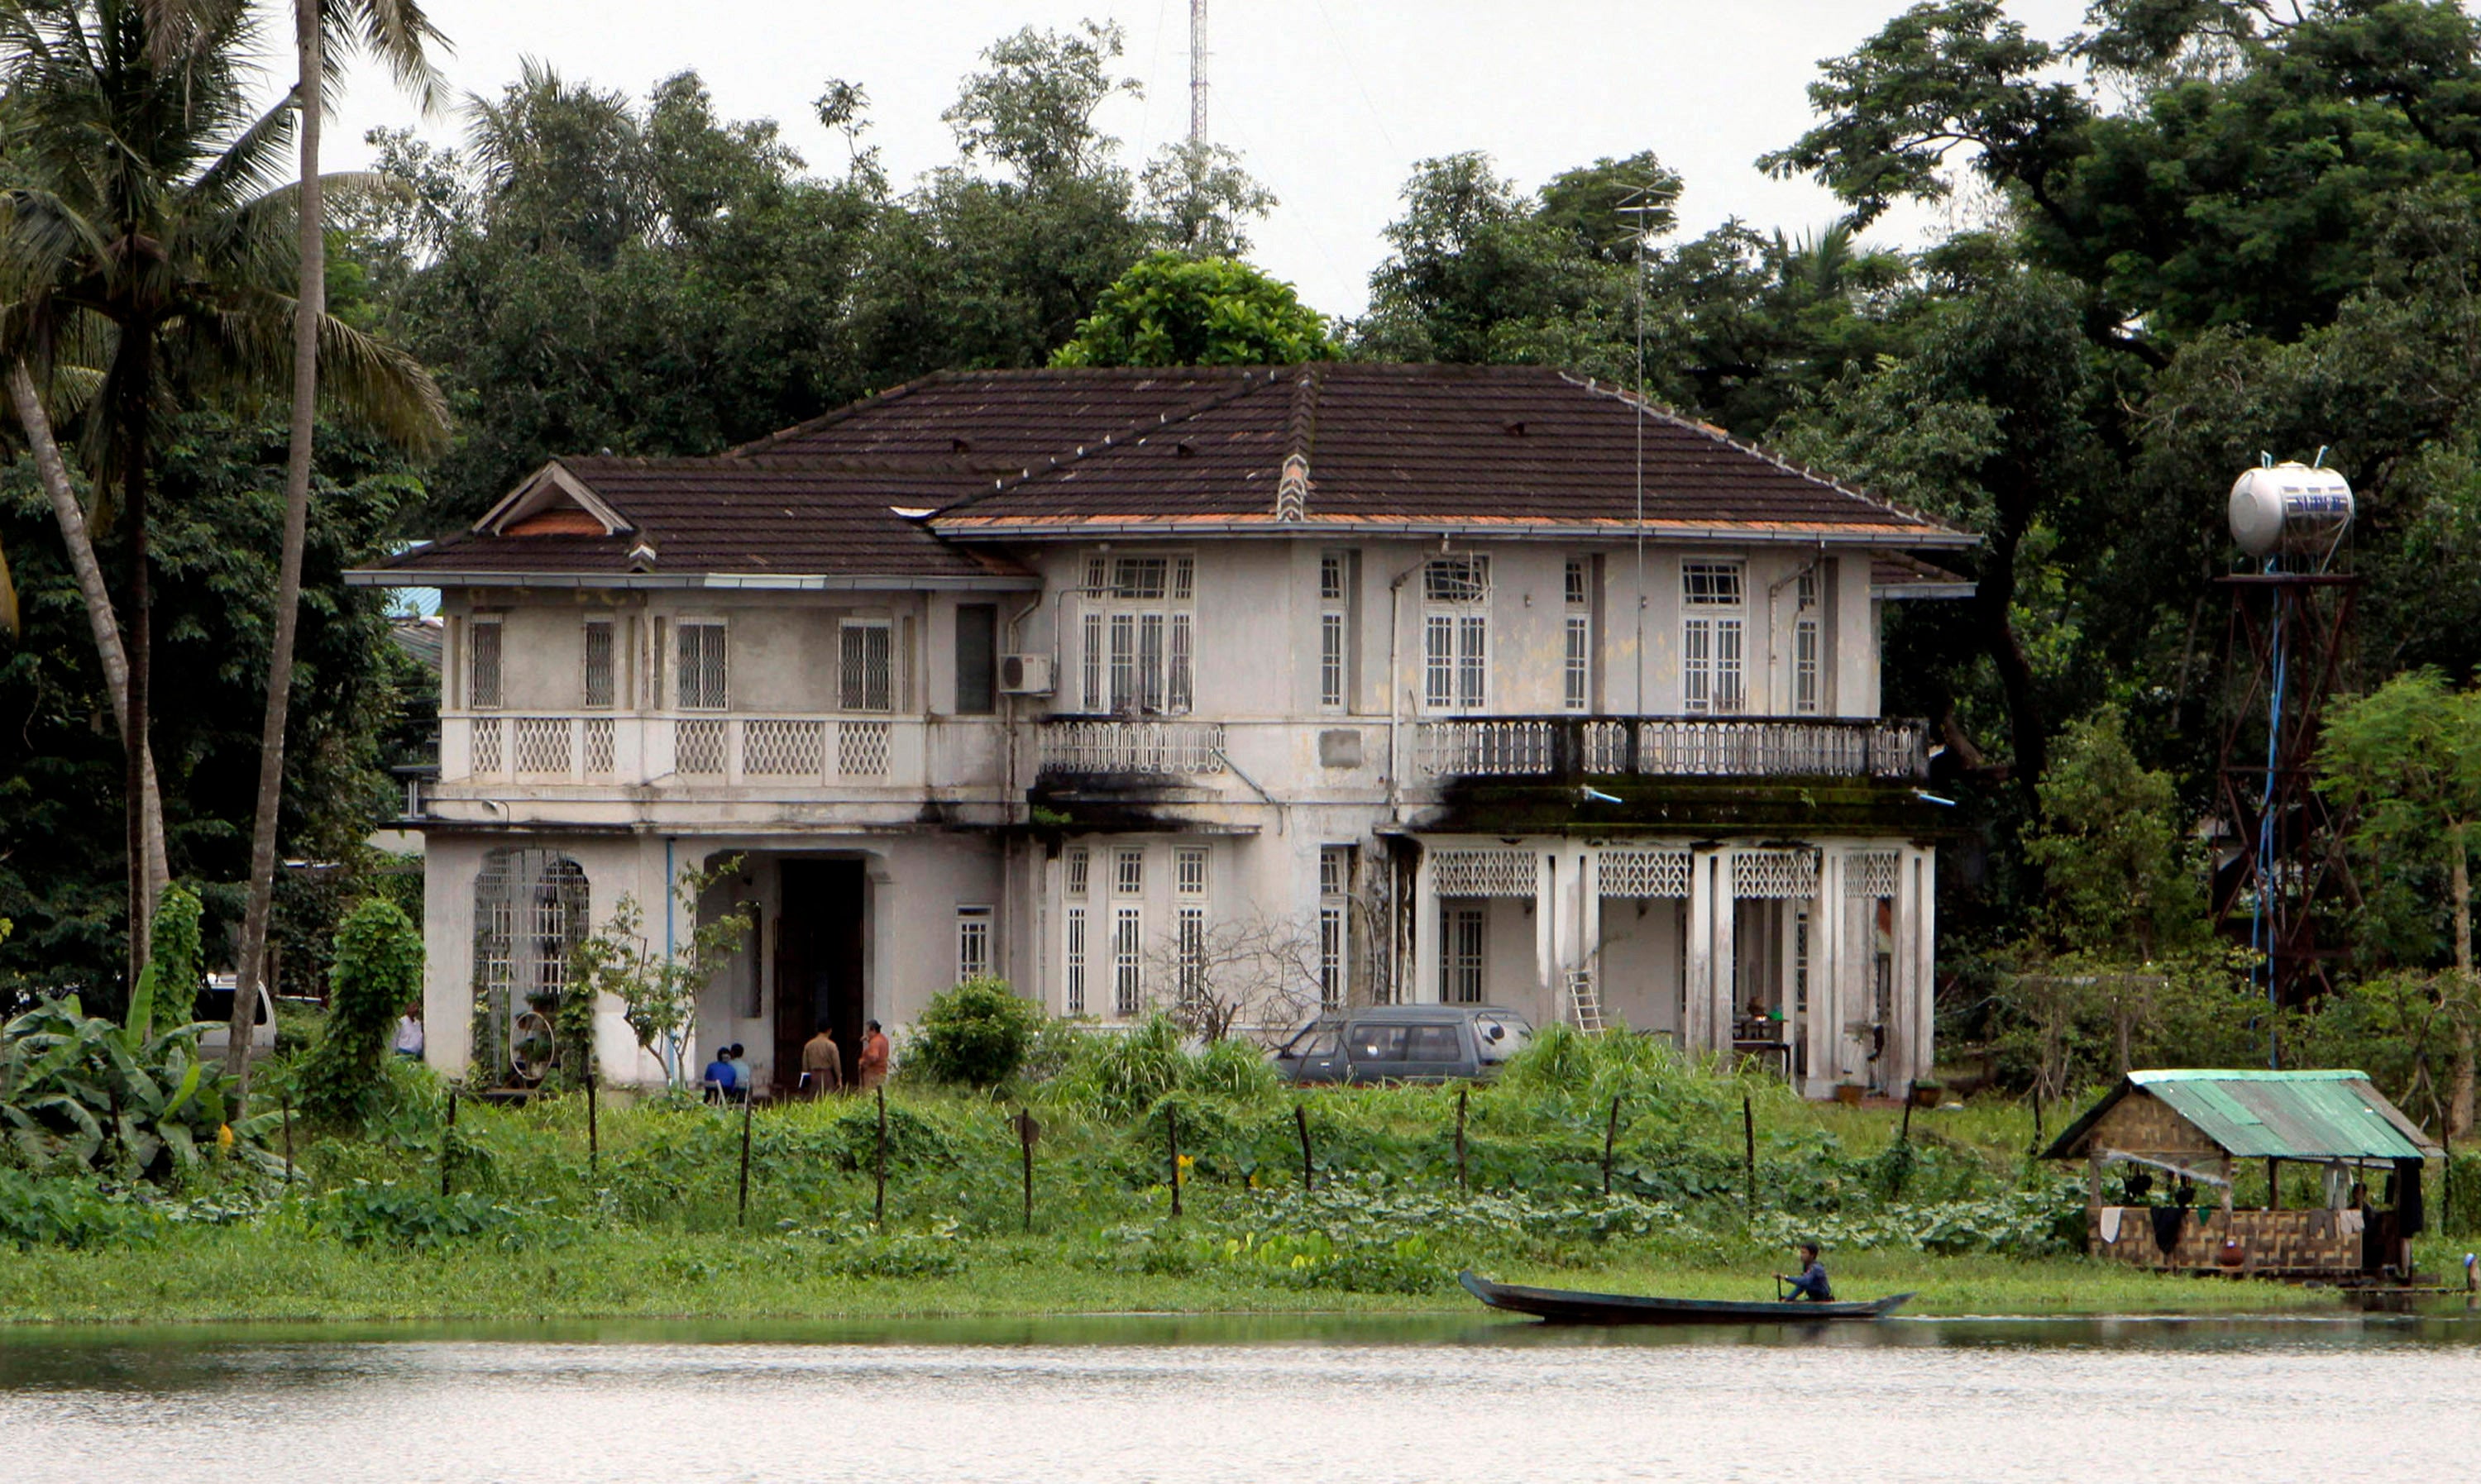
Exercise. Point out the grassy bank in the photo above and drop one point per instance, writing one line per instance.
(649, 1221)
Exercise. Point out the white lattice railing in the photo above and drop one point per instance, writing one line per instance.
(755, 751)
(1145, 747)
(1671, 746)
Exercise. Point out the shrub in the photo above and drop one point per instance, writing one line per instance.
(79, 1089)
(1118, 1075)
(976, 1035)
(377, 973)
(167, 986)
(396, 1215)
(64, 1213)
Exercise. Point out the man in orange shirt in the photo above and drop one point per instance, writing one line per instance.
(872, 1068)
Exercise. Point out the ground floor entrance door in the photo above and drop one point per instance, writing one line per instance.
(818, 963)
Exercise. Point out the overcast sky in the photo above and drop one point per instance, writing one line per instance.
(1330, 102)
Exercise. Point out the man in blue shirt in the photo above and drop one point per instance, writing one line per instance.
(1811, 1284)
(720, 1078)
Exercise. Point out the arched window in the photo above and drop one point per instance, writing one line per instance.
(529, 913)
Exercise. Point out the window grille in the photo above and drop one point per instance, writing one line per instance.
(530, 909)
(488, 757)
(1485, 872)
(1080, 865)
(599, 687)
(1183, 578)
(1182, 689)
(779, 747)
(1139, 642)
(1776, 874)
(1331, 577)
(1335, 869)
(1188, 871)
(1098, 573)
(1644, 873)
(1097, 698)
(698, 747)
(1140, 579)
(1456, 661)
(1124, 662)
(1456, 579)
(1871, 872)
(1574, 585)
(1335, 923)
(1128, 967)
(1150, 662)
(1804, 666)
(1710, 583)
(483, 664)
(868, 673)
(1073, 989)
(863, 749)
(542, 745)
(973, 942)
(1711, 680)
(1128, 873)
(1189, 940)
(1331, 660)
(704, 676)
(1800, 961)
(1463, 954)
(1575, 690)
(601, 747)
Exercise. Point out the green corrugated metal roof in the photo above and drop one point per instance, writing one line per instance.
(2276, 1115)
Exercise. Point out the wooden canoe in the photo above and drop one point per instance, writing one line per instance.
(1562, 1306)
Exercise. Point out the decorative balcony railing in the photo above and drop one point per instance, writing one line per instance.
(695, 749)
(1672, 746)
(1145, 748)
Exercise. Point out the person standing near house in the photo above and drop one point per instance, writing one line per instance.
(1811, 1284)
(872, 1068)
(823, 1063)
(408, 1032)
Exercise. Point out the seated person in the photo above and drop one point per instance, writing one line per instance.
(721, 1080)
(1811, 1284)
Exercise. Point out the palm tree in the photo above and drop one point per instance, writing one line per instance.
(147, 220)
(397, 33)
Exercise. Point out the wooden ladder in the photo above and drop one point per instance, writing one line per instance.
(1585, 1001)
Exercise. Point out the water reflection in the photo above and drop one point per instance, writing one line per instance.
(1244, 1399)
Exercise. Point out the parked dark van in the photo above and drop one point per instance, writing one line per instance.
(1405, 1043)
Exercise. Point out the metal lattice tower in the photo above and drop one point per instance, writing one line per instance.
(1197, 74)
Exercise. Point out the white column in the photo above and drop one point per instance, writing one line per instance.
(1826, 954)
(1697, 996)
(1925, 960)
(1895, 1062)
(1853, 1001)
(1421, 983)
(1546, 928)
(1720, 1008)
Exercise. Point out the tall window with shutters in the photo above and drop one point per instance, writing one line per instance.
(1463, 953)
(1576, 673)
(1808, 662)
(1713, 631)
(866, 675)
(600, 683)
(1335, 629)
(973, 942)
(483, 664)
(1078, 868)
(1128, 964)
(702, 681)
(1138, 635)
(1455, 634)
(1335, 924)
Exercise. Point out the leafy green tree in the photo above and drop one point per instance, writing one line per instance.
(1199, 201)
(161, 252)
(378, 974)
(2404, 761)
(169, 986)
(1171, 310)
(2124, 883)
(658, 988)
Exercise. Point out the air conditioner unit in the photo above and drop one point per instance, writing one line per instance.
(1025, 674)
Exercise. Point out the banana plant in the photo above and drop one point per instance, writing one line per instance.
(84, 1091)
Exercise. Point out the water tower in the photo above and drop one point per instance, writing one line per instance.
(2285, 873)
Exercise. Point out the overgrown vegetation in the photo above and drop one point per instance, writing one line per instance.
(652, 1218)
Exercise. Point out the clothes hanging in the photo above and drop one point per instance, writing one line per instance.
(2167, 1222)
(2349, 1223)
(2110, 1216)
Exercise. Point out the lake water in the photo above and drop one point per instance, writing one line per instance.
(1180, 1400)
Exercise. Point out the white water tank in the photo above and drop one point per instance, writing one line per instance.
(2289, 508)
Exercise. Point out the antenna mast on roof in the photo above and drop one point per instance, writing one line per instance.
(1197, 74)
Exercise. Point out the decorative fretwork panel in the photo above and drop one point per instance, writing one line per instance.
(775, 748)
(542, 744)
(697, 747)
(1778, 875)
(489, 759)
(1644, 872)
(862, 749)
(1871, 872)
(600, 737)
(1485, 872)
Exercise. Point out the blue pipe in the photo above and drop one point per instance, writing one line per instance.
(2260, 932)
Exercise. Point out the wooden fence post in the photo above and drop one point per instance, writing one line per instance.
(878, 1210)
(1301, 1122)
(1463, 1188)
(1028, 1129)
(1611, 1136)
(1748, 1155)
(1906, 1134)
(747, 1103)
(1171, 1133)
(448, 1141)
(2037, 1119)
(593, 1134)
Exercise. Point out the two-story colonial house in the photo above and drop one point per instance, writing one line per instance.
(1475, 685)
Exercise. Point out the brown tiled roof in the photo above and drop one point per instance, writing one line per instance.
(789, 518)
(1026, 453)
(1384, 445)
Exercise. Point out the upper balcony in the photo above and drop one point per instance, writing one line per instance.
(794, 755)
(1727, 747)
